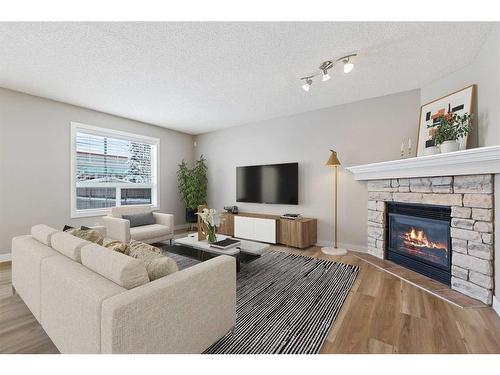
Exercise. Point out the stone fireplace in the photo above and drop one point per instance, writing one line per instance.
(441, 224)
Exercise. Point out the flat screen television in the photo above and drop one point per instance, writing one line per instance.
(272, 183)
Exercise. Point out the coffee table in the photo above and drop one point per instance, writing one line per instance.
(246, 247)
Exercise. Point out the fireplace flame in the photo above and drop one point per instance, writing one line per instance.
(419, 239)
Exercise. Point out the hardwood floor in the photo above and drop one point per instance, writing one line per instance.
(382, 314)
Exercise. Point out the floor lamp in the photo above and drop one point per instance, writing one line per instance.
(334, 162)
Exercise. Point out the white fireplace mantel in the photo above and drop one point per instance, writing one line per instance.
(482, 160)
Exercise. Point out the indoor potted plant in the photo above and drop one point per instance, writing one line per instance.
(192, 185)
(449, 129)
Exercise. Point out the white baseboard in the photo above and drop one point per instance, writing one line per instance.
(496, 305)
(347, 246)
(5, 257)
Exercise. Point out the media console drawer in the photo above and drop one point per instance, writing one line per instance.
(253, 228)
(297, 233)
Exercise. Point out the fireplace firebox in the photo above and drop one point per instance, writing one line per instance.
(418, 238)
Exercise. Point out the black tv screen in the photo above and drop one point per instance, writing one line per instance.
(273, 183)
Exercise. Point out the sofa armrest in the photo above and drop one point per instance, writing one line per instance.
(164, 219)
(117, 229)
(185, 312)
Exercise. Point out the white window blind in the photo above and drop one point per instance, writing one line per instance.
(111, 169)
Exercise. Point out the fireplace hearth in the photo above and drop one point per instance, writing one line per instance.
(418, 238)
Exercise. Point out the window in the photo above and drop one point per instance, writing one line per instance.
(111, 168)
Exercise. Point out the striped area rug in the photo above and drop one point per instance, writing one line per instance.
(286, 304)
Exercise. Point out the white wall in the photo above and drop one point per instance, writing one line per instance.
(35, 162)
(485, 73)
(362, 132)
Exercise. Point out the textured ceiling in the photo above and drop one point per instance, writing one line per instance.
(198, 77)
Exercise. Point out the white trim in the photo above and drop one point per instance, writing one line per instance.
(155, 142)
(104, 132)
(5, 257)
(481, 160)
(347, 246)
(496, 305)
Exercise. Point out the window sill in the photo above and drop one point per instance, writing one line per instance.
(103, 212)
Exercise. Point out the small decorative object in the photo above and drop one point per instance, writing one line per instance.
(202, 230)
(211, 220)
(431, 148)
(402, 150)
(459, 103)
(409, 147)
(334, 162)
(449, 129)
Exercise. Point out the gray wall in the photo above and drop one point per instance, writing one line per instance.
(484, 71)
(35, 162)
(363, 132)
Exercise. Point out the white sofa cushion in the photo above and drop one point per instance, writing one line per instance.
(185, 312)
(119, 268)
(149, 231)
(129, 210)
(71, 304)
(43, 233)
(68, 245)
(27, 257)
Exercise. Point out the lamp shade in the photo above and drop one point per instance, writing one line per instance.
(333, 161)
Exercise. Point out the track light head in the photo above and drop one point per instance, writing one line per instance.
(348, 65)
(325, 65)
(306, 86)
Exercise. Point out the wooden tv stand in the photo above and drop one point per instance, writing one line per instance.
(300, 233)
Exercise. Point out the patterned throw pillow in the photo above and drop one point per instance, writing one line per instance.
(156, 264)
(88, 234)
(115, 245)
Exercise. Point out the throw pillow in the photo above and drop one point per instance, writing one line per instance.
(156, 264)
(139, 220)
(68, 227)
(115, 245)
(87, 234)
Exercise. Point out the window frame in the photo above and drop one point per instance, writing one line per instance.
(117, 134)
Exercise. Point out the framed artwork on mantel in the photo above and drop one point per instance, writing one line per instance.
(459, 102)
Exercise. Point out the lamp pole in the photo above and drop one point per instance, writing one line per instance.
(336, 176)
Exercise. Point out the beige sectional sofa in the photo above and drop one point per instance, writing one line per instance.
(119, 229)
(90, 299)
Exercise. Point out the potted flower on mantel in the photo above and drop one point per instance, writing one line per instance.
(449, 129)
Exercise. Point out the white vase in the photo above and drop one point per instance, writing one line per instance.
(433, 150)
(449, 146)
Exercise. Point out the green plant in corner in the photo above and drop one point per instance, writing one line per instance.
(450, 127)
(192, 184)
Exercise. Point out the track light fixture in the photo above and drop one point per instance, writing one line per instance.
(327, 65)
(306, 86)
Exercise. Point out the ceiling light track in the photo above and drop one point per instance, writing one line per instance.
(325, 67)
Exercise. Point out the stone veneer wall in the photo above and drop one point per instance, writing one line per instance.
(471, 201)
